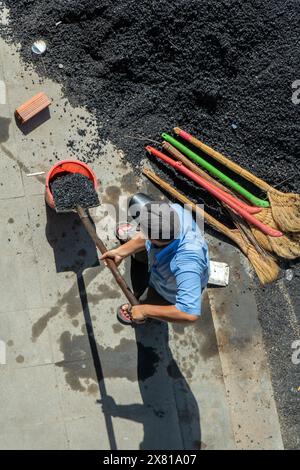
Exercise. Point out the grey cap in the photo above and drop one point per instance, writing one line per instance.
(159, 221)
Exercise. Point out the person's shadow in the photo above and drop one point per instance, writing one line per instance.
(169, 413)
(75, 251)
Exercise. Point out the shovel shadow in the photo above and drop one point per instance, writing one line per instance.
(74, 251)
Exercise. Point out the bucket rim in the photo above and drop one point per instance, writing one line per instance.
(48, 192)
(76, 162)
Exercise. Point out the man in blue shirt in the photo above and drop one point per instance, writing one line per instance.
(178, 263)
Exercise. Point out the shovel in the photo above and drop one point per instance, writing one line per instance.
(85, 219)
(89, 226)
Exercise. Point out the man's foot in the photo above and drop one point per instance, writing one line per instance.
(123, 315)
(125, 231)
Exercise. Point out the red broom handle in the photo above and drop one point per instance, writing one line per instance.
(219, 194)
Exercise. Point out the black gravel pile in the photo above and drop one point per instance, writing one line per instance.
(222, 69)
(73, 189)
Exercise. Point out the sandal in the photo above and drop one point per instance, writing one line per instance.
(125, 231)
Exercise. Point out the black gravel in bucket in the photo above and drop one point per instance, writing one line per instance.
(73, 189)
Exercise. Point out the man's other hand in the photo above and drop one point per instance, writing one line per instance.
(138, 313)
(115, 255)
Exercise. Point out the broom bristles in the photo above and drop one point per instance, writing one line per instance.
(266, 267)
(286, 210)
(262, 239)
(264, 264)
(287, 246)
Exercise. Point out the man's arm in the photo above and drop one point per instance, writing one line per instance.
(168, 313)
(132, 246)
(188, 297)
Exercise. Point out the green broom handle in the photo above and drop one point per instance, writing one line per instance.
(213, 170)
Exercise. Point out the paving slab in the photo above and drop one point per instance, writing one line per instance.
(244, 360)
(11, 185)
(29, 396)
(16, 332)
(15, 230)
(45, 436)
(79, 429)
(196, 353)
(21, 287)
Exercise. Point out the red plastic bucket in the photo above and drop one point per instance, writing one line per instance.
(67, 166)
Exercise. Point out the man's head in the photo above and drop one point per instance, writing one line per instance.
(159, 222)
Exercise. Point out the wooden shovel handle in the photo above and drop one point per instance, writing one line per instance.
(224, 160)
(110, 263)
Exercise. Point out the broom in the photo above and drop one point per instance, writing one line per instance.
(216, 192)
(265, 266)
(195, 169)
(239, 222)
(287, 246)
(285, 206)
(216, 172)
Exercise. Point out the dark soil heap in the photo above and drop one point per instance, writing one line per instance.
(73, 189)
(221, 69)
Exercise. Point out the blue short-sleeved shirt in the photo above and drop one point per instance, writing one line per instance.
(179, 272)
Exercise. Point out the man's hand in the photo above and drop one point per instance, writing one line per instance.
(115, 255)
(118, 254)
(138, 313)
(108, 405)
